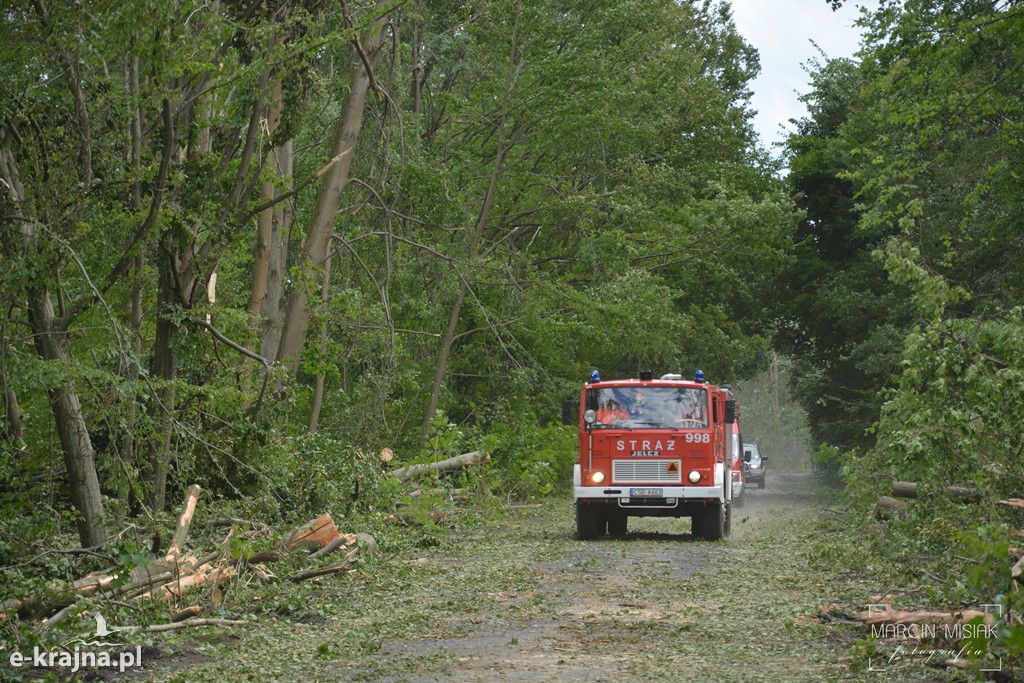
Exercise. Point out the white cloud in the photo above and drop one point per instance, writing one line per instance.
(782, 31)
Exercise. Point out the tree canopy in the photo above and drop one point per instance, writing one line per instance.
(239, 236)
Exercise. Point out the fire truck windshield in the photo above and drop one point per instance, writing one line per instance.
(649, 407)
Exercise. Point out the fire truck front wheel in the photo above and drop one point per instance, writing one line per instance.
(712, 522)
(586, 521)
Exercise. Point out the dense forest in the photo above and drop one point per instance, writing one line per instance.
(250, 244)
(244, 241)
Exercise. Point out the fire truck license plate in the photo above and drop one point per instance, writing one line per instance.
(646, 493)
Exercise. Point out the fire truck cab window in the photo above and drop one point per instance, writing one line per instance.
(649, 407)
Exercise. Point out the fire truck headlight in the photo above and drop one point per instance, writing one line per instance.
(597, 477)
(694, 477)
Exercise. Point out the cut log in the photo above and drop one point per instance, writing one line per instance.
(387, 455)
(909, 489)
(904, 489)
(1013, 503)
(314, 534)
(886, 507)
(188, 510)
(441, 467)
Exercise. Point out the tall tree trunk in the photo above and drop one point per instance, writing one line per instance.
(474, 243)
(79, 457)
(51, 344)
(325, 211)
(318, 386)
(267, 279)
(129, 441)
(164, 369)
(273, 303)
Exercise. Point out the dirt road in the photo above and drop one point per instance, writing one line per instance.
(528, 602)
(656, 605)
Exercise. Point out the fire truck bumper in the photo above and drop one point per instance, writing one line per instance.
(615, 492)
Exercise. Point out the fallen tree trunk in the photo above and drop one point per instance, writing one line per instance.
(441, 467)
(341, 542)
(909, 489)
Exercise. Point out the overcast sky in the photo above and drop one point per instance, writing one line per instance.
(782, 31)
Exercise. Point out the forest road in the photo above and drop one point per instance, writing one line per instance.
(529, 602)
(524, 600)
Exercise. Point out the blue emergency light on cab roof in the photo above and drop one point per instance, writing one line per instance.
(594, 377)
(699, 376)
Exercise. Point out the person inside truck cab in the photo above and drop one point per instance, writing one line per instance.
(693, 412)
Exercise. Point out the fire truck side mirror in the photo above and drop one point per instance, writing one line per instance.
(569, 412)
(730, 411)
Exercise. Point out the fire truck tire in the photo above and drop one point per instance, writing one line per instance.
(714, 522)
(728, 519)
(617, 525)
(586, 522)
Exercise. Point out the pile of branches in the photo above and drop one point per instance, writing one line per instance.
(177, 575)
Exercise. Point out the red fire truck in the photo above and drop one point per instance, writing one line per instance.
(654, 448)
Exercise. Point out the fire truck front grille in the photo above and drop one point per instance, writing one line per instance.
(647, 471)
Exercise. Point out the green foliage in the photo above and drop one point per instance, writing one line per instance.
(631, 224)
(907, 292)
(532, 461)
